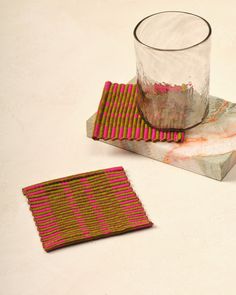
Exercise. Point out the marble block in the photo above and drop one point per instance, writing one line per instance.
(209, 149)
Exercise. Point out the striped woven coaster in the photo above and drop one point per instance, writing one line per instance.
(118, 117)
(84, 207)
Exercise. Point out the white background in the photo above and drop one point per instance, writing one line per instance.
(54, 59)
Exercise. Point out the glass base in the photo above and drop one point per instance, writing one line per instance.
(173, 129)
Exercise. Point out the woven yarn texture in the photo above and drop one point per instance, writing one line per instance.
(118, 117)
(84, 207)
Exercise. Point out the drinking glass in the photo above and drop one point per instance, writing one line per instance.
(173, 62)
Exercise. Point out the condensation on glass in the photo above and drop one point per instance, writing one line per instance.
(173, 57)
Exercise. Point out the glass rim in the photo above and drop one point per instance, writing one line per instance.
(177, 49)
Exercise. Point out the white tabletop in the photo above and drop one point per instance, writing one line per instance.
(54, 59)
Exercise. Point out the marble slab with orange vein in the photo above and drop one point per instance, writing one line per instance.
(209, 149)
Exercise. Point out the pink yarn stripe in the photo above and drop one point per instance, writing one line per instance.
(135, 207)
(118, 180)
(130, 202)
(52, 218)
(40, 205)
(121, 132)
(138, 217)
(117, 174)
(38, 199)
(51, 235)
(97, 210)
(36, 192)
(137, 133)
(161, 135)
(41, 210)
(129, 133)
(176, 136)
(130, 87)
(47, 231)
(107, 85)
(130, 112)
(43, 225)
(168, 136)
(48, 225)
(48, 220)
(127, 210)
(66, 188)
(119, 168)
(153, 133)
(115, 87)
(96, 131)
(87, 188)
(136, 212)
(44, 215)
(122, 88)
(113, 132)
(128, 193)
(139, 223)
(105, 132)
(76, 211)
(121, 185)
(59, 213)
(128, 206)
(48, 207)
(145, 133)
(31, 187)
(52, 244)
(127, 197)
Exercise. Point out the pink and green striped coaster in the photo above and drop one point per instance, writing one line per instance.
(85, 207)
(118, 117)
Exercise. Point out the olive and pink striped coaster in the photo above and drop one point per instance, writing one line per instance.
(118, 117)
(85, 207)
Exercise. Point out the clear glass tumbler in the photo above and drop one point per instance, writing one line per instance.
(173, 61)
